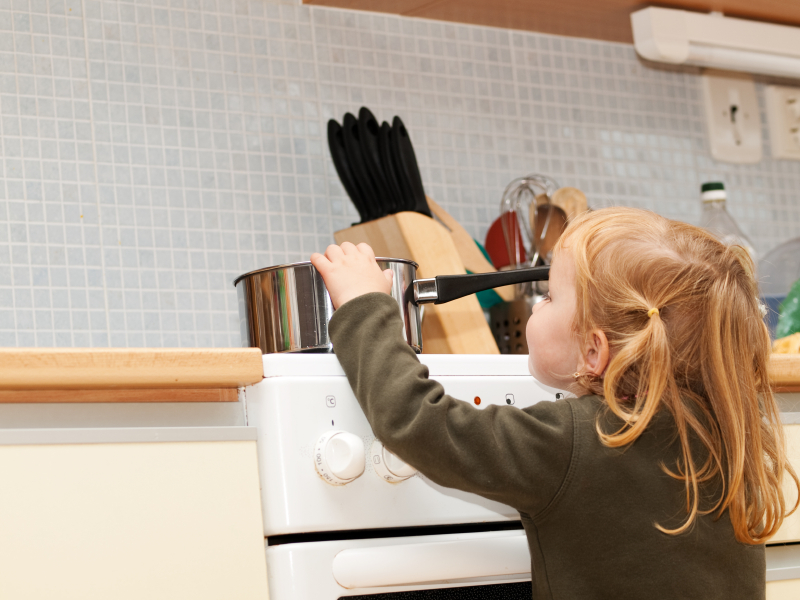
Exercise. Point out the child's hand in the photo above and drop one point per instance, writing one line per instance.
(350, 271)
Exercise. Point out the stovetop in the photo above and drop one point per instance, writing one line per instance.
(326, 364)
(305, 410)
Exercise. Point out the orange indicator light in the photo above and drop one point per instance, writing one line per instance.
(477, 400)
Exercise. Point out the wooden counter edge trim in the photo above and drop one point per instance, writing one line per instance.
(784, 371)
(118, 396)
(128, 368)
(190, 369)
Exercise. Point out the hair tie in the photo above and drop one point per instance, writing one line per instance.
(651, 312)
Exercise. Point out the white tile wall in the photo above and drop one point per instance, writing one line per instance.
(154, 150)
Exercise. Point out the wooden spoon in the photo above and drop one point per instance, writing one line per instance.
(571, 200)
(545, 239)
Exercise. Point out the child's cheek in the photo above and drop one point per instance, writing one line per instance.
(534, 349)
(529, 337)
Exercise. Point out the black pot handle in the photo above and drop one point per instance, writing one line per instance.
(444, 288)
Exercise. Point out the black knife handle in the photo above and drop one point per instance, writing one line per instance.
(453, 287)
(410, 166)
(355, 159)
(409, 202)
(369, 132)
(387, 163)
(339, 157)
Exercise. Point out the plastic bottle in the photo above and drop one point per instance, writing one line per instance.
(778, 272)
(719, 222)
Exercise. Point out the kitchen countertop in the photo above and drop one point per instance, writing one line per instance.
(784, 372)
(46, 375)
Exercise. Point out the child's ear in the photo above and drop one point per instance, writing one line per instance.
(595, 353)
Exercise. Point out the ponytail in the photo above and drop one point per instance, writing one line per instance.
(685, 336)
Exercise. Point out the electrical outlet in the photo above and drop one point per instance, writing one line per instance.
(734, 125)
(783, 115)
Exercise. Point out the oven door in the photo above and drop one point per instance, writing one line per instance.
(458, 566)
(484, 565)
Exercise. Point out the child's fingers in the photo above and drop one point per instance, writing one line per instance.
(334, 252)
(349, 248)
(389, 275)
(320, 263)
(366, 250)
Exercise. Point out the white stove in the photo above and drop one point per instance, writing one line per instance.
(344, 517)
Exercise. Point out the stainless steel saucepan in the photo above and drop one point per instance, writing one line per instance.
(287, 308)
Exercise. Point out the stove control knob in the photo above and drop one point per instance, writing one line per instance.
(339, 457)
(388, 466)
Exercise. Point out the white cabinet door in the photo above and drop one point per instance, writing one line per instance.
(788, 589)
(790, 530)
(131, 521)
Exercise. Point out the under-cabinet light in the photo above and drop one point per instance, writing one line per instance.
(718, 42)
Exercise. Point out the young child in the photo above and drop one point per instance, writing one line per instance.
(662, 478)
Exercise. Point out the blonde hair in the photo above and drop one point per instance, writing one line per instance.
(703, 357)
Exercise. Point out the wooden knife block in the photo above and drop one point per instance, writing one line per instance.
(458, 327)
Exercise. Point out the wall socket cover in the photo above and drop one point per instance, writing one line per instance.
(783, 116)
(732, 118)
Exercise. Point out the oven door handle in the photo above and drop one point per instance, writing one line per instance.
(496, 555)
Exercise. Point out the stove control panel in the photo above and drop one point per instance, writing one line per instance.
(387, 466)
(339, 457)
(311, 415)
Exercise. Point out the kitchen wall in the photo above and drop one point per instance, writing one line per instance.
(153, 151)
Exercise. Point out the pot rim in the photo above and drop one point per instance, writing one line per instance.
(308, 263)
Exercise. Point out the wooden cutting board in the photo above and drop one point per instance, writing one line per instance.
(472, 258)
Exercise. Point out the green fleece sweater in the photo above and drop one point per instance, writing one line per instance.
(589, 511)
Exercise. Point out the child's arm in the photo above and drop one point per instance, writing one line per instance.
(517, 457)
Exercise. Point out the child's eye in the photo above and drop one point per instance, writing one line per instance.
(546, 296)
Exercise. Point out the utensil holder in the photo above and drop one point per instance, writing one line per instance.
(458, 327)
(508, 321)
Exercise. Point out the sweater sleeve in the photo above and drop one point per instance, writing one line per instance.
(516, 457)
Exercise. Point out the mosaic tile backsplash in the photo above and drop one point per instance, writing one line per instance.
(153, 151)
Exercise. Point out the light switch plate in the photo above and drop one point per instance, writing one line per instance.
(783, 115)
(732, 117)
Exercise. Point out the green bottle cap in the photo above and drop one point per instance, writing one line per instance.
(711, 186)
